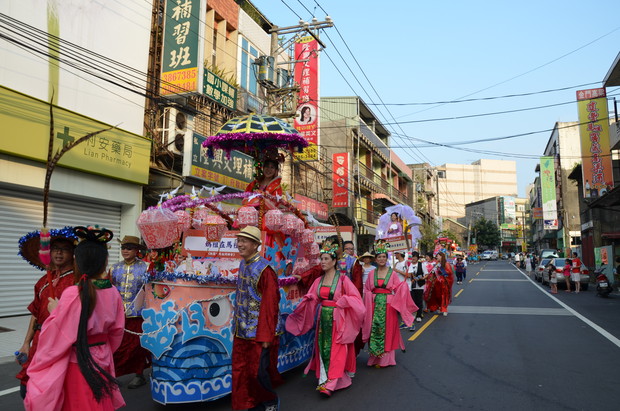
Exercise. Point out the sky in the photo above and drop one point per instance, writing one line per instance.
(413, 51)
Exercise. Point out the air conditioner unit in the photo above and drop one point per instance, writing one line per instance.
(178, 129)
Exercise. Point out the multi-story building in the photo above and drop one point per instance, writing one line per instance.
(378, 178)
(424, 190)
(91, 80)
(510, 214)
(564, 147)
(461, 184)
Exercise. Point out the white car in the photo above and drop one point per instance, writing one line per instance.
(489, 255)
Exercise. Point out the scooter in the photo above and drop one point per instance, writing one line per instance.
(603, 288)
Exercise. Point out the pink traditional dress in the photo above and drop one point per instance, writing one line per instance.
(339, 312)
(56, 382)
(394, 230)
(384, 300)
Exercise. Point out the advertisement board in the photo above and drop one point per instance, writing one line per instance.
(307, 77)
(340, 180)
(547, 184)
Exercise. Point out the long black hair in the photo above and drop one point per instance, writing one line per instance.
(91, 258)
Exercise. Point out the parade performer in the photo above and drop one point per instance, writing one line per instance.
(385, 296)
(129, 277)
(256, 328)
(267, 180)
(438, 291)
(367, 260)
(73, 369)
(396, 227)
(339, 319)
(49, 287)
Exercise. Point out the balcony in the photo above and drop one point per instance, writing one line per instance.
(366, 215)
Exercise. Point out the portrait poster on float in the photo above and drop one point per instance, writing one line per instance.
(307, 78)
(596, 166)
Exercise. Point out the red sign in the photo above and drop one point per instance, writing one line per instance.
(307, 77)
(340, 180)
(591, 94)
(316, 208)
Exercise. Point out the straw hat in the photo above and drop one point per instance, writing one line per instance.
(30, 244)
(366, 254)
(132, 239)
(253, 233)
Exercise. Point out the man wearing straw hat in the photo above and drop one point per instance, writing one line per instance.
(256, 328)
(129, 277)
(48, 289)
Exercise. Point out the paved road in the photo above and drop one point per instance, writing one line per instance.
(507, 344)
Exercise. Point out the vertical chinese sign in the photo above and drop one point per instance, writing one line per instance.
(595, 151)
(307, 77)
(340, 180)
(181, 54)
(547, 187)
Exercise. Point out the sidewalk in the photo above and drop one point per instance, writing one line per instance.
(11, 341)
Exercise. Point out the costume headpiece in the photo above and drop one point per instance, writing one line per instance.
(94, 233)
(330, 248)
(30, 244)
(382, 247)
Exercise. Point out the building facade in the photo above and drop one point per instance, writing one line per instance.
(461, 184)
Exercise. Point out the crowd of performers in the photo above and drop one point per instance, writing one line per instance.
(85, 323)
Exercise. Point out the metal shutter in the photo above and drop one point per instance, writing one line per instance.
(22, 212)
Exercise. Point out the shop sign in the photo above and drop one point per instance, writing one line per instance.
(181, 53)
(307, 77)
(235, 172)
(114, 153)
(547, 184)
(340, 180)
(219, 90)
(318, 209)
(321, 233)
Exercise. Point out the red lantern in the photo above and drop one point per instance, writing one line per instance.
(307, 236)
(215, 227)
(313, 249)
(299, 227)
(301, 265)
(289, 224)
(247, 216)
(185, 221)
(200, 216)
(273, 220)
(159, 227)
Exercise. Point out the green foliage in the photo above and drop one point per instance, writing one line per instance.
(429, 231)
(487, 233)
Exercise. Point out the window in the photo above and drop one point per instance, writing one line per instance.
(441, 174)
(248, 69)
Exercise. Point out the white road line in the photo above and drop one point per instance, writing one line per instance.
(499, 279)
(9, 391)
(596, 327)
(473, 309)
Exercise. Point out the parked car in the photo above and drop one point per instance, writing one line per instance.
(489, 255)
(558, 263)
(548, 253)
(538, 271)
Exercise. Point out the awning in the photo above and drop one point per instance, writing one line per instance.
(615, 234)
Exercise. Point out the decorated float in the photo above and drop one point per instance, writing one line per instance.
(189, 300)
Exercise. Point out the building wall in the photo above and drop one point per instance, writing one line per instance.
(467, 183)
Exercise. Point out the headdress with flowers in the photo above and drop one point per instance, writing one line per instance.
(382, 247)
(330, 248)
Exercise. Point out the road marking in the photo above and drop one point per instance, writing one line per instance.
(470, 281)
(417, 334)
(596, 327)
(457, 294)
(467, 309)
(501, 279)
(9, 391)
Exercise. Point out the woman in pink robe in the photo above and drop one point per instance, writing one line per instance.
(385, 296)
(334, 307)
(68, 371)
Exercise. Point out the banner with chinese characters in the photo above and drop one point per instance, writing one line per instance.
(26, 132)
(318, 209)
(181, 56)
(236, 172)
(219, 90)
(340, 180)
(322, 233)
(547, 186)
(595, 150)
(398, 243)
(307, 77)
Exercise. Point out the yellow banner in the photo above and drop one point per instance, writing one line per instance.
(595, 149)
(26, 129)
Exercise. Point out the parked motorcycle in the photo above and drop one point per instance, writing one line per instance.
(603, 288)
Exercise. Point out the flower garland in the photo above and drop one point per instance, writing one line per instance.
(253, 143)
(210, 278)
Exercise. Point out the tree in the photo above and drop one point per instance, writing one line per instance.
(487, 233)
(429, 232)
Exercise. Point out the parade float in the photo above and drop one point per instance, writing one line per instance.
(188, 302)
(402, 234)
